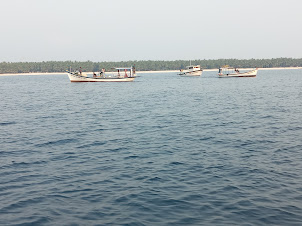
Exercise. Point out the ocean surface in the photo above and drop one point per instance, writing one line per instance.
(162, 150)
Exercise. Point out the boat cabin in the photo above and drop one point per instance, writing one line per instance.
(197, 67)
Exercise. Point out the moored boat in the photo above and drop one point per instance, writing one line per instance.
(225, 72)
(191, 71)
(123, 74)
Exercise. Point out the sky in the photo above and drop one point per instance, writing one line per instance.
(122, 30)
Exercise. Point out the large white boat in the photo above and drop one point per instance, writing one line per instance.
(225, 72)
(122, 74)
(191, 71)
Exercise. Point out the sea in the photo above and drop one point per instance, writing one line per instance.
(162, 150)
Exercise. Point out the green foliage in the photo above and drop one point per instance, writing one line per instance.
(148, 65)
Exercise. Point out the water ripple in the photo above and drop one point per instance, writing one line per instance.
(163, 150)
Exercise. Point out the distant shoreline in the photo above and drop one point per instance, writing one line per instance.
(34, 73)
(145, 72)
(216, 69)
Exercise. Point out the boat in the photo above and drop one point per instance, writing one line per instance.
(225, 72)
(122, 74)
(191, 71)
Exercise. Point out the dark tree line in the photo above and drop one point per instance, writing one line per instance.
(149, 65)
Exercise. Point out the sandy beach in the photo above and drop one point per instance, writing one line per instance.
(148, 72)
(35, 73)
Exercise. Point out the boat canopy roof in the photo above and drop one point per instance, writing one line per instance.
(227, 67)
(123, 68)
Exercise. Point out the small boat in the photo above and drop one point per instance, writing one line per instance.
(191, 71)
(123, 74)
(225, 72)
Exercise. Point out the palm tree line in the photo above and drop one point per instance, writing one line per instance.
(144, 65)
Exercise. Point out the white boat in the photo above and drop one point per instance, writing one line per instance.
(225, 72)
(191, 71)
(123, 74)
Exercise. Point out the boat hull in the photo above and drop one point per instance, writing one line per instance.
(79, 78)
(252, 73)
(190, 74)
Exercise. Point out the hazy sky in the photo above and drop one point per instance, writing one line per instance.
(116, 30)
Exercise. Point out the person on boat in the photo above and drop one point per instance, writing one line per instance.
(103, 72)
(80, 70)
(94, 74)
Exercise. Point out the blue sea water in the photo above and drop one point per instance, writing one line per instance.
(162, 150)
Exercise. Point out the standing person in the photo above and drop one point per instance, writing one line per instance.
(103, 72)
(80, 70)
